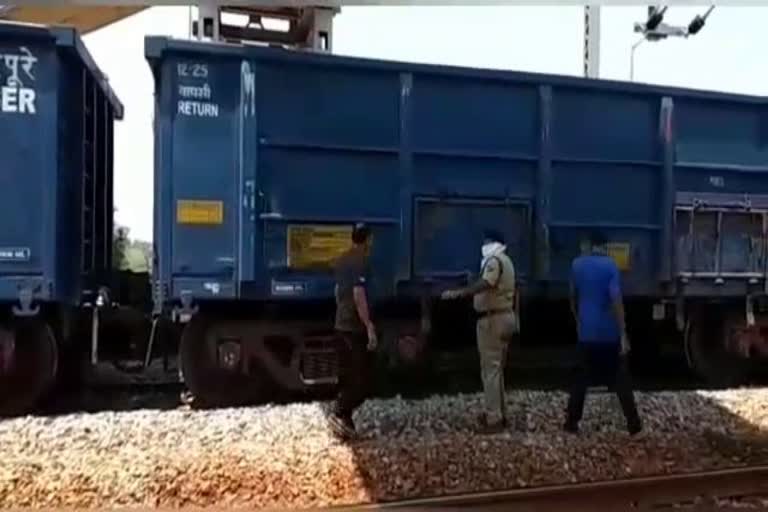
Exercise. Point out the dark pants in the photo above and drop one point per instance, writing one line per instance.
(602, 363)
(354, 372)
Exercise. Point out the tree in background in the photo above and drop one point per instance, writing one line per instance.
(133, 255)
(120, 243)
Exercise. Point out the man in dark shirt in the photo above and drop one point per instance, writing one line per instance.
(356, 332)
(597, 305)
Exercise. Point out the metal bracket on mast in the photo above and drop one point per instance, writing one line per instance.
(207, 26)
(292, 27)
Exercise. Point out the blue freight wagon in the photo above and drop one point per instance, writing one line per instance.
(57, 112)
(264, 159)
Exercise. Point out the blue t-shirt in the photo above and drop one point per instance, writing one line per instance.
(596, 285)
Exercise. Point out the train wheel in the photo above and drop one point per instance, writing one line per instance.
(211, 356)
(710, 348)
(28, 365)
(403, 362)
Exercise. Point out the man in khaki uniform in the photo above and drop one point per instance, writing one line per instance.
(494, 300)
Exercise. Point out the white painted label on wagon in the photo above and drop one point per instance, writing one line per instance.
(198, 109)
(280, 288)
(15, 253)
(248, 90)
(214, 288)
(717, 181)
(17, 100)
(17, 81)
(195, 93)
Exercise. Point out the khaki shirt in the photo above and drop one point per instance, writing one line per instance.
(499, 272)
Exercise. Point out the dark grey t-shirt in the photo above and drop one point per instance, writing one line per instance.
(351, 271)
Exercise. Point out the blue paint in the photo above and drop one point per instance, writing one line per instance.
(432, 155)
(56, 123)
(666, 205)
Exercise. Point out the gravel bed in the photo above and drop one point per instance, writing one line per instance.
(285, 456)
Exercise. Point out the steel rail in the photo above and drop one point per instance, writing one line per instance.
(621, 494)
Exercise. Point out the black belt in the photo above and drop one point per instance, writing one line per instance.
(493, 312)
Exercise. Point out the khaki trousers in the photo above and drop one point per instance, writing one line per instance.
(493, 335)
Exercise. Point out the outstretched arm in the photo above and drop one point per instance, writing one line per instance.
(489, 279)
(478, 286)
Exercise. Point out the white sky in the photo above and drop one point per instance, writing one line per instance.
(728, 55)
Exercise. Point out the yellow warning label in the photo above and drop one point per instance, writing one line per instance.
(317, 246)
(620, 252)
(199, 212)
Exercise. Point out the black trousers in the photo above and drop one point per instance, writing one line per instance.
(602, 363)
(354, 372)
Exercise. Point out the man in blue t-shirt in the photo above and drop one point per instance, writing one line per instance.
(597, 305)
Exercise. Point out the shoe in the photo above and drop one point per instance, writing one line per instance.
(570, 428)
(496, 428)
(636, 433)
(485, 428)
(482, 421)
(186, 397)
(342, 427)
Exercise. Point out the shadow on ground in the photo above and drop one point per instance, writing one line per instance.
(427, 448)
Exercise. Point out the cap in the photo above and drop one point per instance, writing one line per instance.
(597, 238)
(493, 235)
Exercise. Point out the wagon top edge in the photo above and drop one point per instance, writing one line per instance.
(156, 48)
(68, 39)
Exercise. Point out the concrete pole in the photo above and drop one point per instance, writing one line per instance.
(632, 60)
(592, 41)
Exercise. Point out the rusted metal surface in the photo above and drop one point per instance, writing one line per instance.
(748, 341)
(637, 493)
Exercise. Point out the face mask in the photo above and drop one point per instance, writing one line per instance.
(491, 248)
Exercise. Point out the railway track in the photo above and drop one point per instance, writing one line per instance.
(636, 493)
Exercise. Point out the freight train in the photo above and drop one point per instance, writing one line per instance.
(266, 157)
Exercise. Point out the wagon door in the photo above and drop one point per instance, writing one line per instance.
(448, 235)
(205, 163)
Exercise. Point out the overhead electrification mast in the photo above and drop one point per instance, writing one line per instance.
(298, 27)
(311, 27)
(653, 29)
